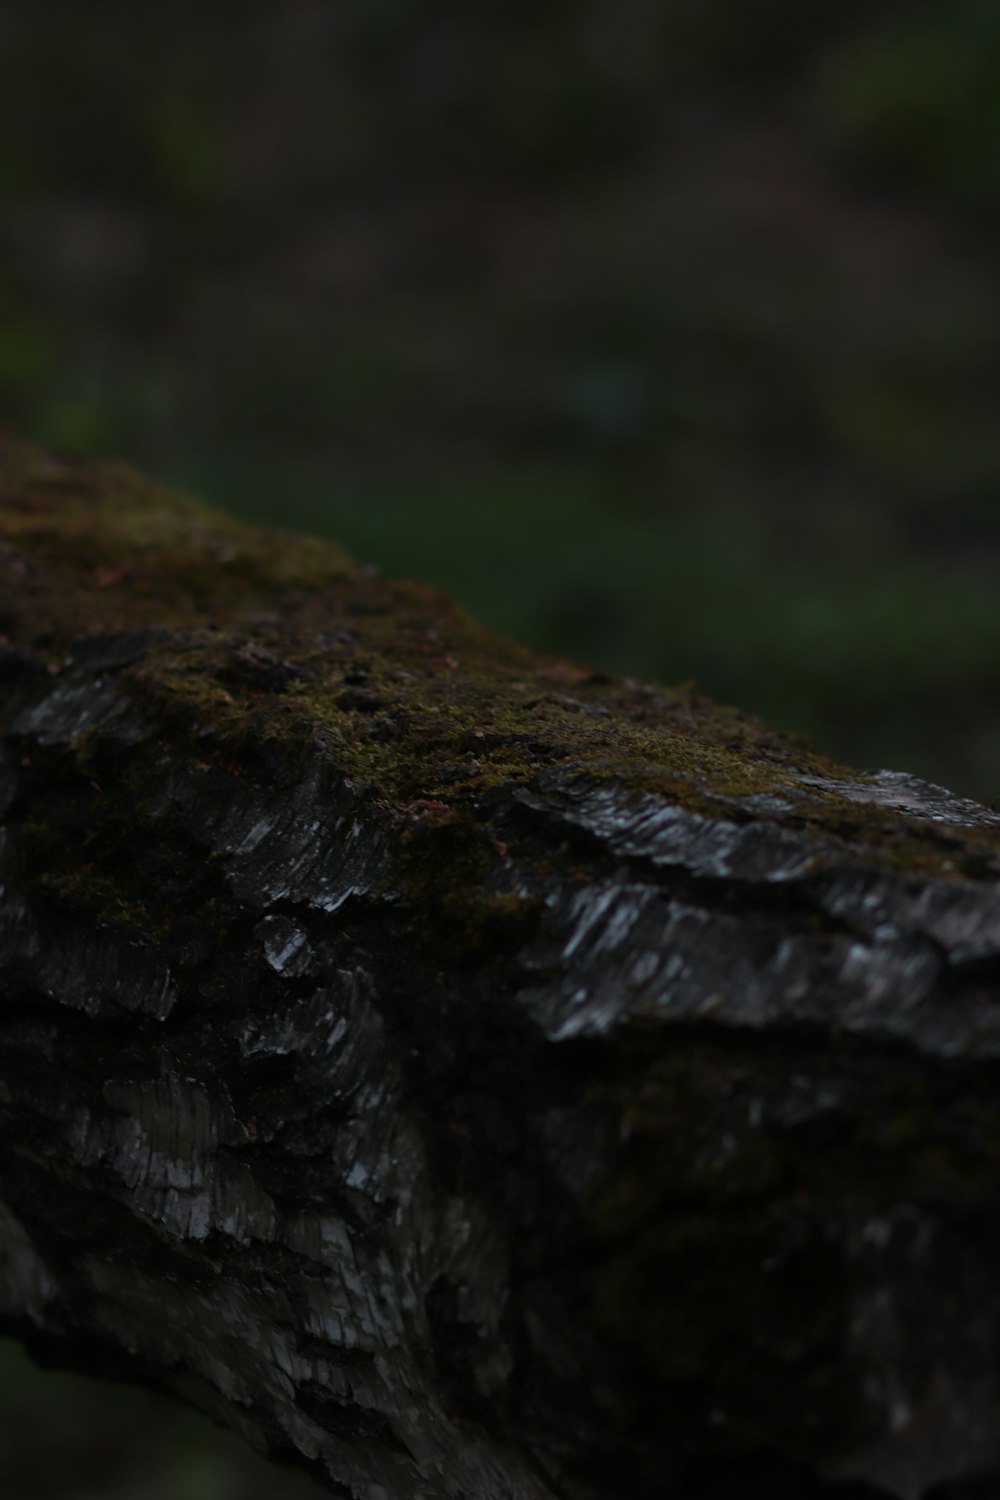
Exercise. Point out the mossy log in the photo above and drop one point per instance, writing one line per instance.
(470, 1076)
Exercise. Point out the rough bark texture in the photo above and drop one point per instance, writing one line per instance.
(470, 1077)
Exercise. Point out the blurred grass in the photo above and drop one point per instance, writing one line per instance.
(663, 334)
(64, 1437)
(688, 312)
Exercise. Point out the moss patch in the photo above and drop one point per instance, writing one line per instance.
(262, 637)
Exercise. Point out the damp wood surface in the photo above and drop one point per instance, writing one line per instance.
(468, 1075)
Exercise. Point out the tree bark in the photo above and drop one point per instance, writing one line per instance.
(469, 1076)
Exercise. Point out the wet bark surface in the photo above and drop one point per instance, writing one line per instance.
(464, 1074)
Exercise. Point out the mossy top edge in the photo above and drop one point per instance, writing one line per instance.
(270, 636)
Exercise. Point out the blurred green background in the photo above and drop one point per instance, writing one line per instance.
(661, 332)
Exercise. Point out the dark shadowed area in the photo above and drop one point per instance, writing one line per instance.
(662, 332)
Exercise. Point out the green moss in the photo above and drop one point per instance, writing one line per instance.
(274, 637)
(84, 881)
(100, 548)
(446, 856)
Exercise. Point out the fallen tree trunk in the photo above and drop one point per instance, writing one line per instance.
(470, 1077)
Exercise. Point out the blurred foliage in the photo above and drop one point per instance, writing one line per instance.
(662, 332)
(687, 311)
(63, 1437)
